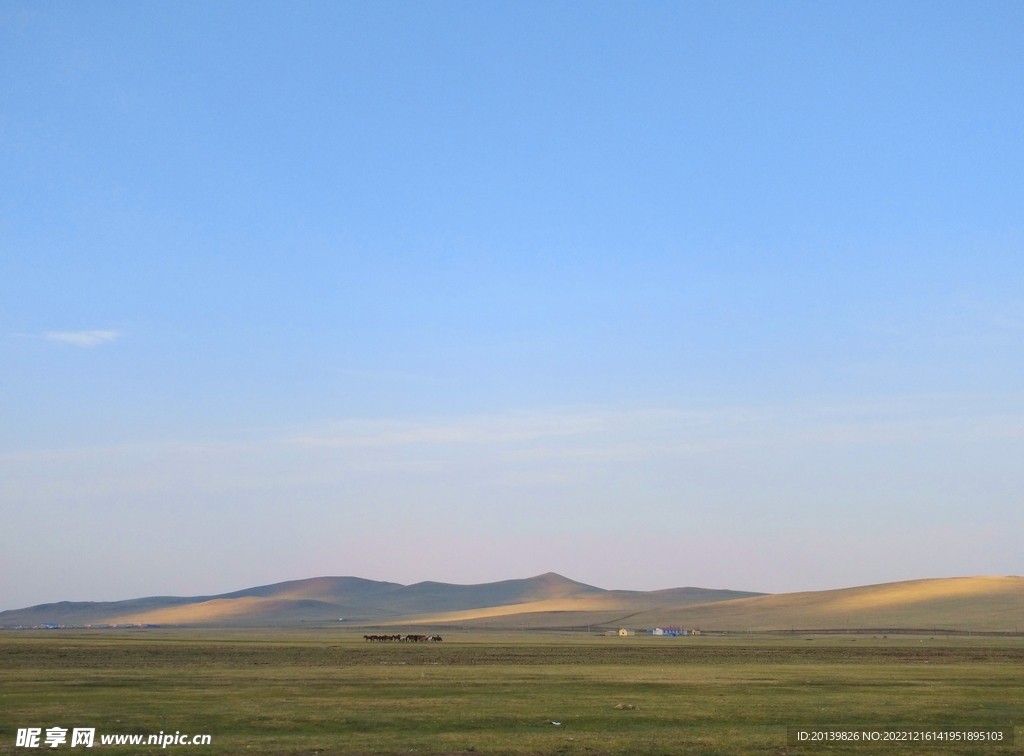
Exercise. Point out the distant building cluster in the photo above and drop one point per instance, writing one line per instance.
(673, 631)
(669, 630)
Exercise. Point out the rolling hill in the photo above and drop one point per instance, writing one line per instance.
(972, 604)
(359, 601)
(986, 604)
(980, 604)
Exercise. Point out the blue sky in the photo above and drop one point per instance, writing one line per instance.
(469, 291)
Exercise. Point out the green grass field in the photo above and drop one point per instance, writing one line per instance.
(316, 692)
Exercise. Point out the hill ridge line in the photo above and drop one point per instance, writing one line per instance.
(989, 603)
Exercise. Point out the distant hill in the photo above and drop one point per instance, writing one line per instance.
(989, 604)
(979, 604)
(984, 604)
(358, 601)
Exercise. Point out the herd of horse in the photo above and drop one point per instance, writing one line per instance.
(403, 638)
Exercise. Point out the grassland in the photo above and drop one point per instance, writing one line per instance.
(313, 692)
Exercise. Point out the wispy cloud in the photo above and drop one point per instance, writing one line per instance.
(82, 338)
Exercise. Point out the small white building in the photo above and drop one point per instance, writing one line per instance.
(669, 630)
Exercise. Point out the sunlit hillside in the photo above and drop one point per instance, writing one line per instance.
(988, 604)
(358, 601)
(983, 604)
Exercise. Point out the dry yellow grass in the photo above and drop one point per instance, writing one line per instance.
(971, 603)
(984, 603)
(989, 604)
(914, 592)
(597, 603)
(976, 603)
(205, 612)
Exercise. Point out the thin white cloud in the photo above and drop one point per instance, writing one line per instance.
(82, 338)
(460, 431)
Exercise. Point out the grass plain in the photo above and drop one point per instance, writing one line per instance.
(329, 692)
